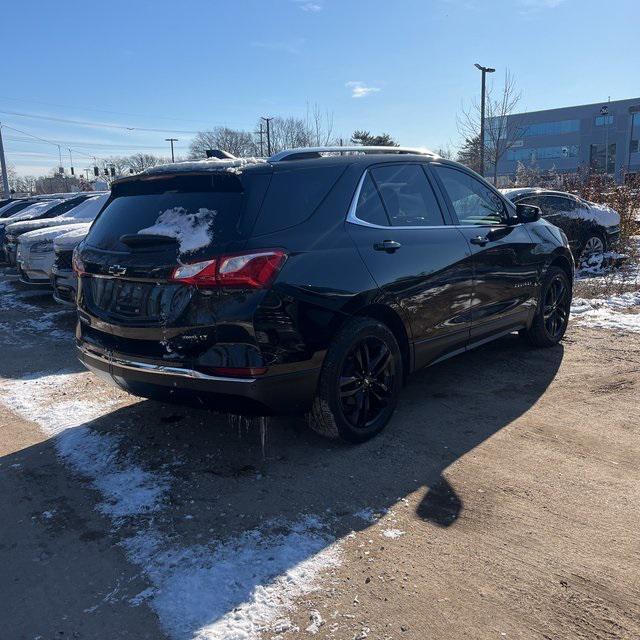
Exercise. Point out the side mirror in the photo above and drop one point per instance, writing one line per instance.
(527, 213)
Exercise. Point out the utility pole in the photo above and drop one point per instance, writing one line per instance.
(261, 133)
(268, 121)
(171, 140)
(3, 167)
(483, 94)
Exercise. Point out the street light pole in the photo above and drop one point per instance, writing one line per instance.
(3, 168)
(171, 140)
(268, 121)
(483, 94)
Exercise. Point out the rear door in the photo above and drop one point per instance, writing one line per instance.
(419, 261)
(505, 263)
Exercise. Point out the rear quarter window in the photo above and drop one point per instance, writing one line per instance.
(294, 195)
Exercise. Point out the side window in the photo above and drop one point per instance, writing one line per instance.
(407, 196)
(473, 201)
(558, 204)
(547, 205)
(370, 208)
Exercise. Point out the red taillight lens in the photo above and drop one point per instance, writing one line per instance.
(254, 270)
(76, 263)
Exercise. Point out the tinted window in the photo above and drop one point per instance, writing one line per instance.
(64, 206)
(294, 195)
(558, 203)
(202, 211)
(370, 208)
(13, 207)
(473, 201)
(407, 196)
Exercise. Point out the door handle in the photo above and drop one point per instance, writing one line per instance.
(387, 245)
(480, 240)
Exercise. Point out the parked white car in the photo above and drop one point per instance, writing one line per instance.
(35, 254)
(63, 277)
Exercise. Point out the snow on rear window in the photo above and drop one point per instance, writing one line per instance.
(192, 230)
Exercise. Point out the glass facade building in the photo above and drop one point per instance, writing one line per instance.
(601, 136)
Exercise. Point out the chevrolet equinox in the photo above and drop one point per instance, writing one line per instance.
(314, 281)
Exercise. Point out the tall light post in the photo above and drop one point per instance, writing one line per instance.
(484, 71)
(268, 121)
(171, 140)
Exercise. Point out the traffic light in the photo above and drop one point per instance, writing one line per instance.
(113, 172)
(96, 171)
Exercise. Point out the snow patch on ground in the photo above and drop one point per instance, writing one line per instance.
(126, 488)
(233, 589)
(192, 230)
(393, 533)
(620, 312)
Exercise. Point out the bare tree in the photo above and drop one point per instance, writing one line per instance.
(500, 131)
(319, 126)
(141, 161)
(234, 141)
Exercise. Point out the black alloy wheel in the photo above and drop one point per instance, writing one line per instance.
(555, 311)
(366, 382)
(359, 383)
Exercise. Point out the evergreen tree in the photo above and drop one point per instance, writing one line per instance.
(365, 138)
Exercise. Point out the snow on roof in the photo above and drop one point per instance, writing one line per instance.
(70, 239)
(47, 233)
(211, 164)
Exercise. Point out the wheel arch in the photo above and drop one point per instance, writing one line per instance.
(391, 318)
(563, 262)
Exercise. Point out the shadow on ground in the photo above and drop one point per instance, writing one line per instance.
(223, 480)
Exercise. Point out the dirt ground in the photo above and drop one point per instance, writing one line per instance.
(502, 501)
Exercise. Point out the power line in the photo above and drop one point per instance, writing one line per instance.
(97, 125)
(91, 145)
(55, 144)
(119, 113)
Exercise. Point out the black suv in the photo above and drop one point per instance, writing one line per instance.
(314, 281)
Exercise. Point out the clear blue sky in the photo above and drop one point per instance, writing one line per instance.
(193, 64)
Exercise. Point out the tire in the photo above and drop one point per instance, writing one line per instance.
(345, 393)
(594, 239)
(543, 332)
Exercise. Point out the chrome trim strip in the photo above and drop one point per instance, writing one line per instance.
(135, 365)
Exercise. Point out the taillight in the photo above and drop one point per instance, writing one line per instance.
(254, 270)
(76, 263)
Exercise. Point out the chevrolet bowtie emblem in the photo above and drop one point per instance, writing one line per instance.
(117, 270)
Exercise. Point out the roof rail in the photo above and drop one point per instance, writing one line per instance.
(306, 153)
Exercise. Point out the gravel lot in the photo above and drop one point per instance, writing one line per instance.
(502, 502)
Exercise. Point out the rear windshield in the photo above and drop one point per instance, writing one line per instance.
(198, 211)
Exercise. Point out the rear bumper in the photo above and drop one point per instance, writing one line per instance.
(274, 394)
